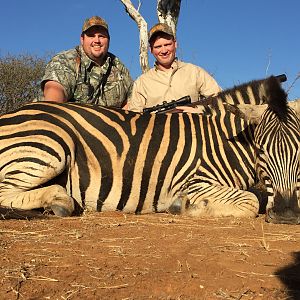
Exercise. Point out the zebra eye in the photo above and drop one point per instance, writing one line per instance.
(259, 151)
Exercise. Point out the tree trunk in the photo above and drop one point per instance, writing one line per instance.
(168, 12)
(142, 25)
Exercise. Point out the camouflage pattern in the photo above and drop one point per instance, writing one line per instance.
(94, 21)
(83, 79)
(160, 27)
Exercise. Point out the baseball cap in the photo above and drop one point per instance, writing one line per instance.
(160, 27)
(94, 21)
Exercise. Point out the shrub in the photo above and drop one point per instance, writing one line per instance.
(20, 78)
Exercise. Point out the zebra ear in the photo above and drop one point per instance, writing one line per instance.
(296, 106)
(252, 113)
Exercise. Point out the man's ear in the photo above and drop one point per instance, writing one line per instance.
(150, 49)
(81, 39)
(175, 43)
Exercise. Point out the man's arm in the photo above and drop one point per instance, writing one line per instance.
(207, 85)
(54, 91)
(136, 101)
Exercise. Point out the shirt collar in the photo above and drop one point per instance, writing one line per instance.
(89, 63)
(174, 66)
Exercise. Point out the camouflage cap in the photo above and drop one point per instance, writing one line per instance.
(94, 21)
(160, 27)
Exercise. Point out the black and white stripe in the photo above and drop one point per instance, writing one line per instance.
(72, 157)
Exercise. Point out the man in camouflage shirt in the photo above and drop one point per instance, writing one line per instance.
(88, 73)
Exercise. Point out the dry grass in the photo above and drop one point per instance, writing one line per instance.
(157, 255)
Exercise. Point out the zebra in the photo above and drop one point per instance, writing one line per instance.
(73, 158)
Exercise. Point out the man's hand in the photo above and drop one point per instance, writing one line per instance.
(189, 109)
(125, 107)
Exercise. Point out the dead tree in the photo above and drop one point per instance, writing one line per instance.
(142, 25)
(167, 12)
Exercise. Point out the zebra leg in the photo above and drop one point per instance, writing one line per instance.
(21, 183)
(218, 201)
(54, 197)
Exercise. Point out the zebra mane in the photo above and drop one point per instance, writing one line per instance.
(256, 92)
(277, 100)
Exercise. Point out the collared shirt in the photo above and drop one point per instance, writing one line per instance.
(182, 79)
(85, 81)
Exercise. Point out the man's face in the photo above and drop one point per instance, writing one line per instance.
(163, 49)
(95, 43)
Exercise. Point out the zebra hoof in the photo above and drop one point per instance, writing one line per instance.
(61, 211)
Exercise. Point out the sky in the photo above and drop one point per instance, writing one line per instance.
(234, 40)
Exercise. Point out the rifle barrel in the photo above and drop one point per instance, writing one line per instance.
(168, 105)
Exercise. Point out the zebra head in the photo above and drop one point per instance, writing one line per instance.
(277, 156)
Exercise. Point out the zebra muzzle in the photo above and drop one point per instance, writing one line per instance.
(284, 211)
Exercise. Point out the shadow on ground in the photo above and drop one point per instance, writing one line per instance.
(290, 277)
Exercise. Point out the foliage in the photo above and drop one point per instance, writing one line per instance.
(20, 78)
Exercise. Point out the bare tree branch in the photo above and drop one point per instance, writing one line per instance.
(293, 83)
(168, 12)
(142, 25)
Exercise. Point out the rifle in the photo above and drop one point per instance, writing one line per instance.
(159, 108)
(187, 101)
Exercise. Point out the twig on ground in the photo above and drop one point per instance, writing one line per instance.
(263, 241)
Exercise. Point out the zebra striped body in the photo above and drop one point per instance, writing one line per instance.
(75, 157)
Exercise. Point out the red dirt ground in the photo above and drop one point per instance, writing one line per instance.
(159, 256)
